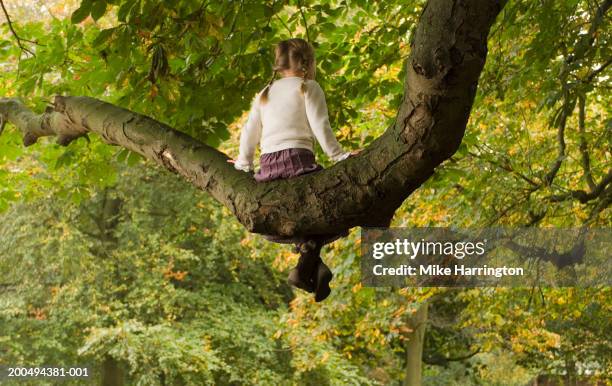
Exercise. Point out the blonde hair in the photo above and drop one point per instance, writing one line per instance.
(295, 55)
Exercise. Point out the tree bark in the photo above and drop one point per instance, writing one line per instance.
(414, 346)
(112, 374)
(448, 53)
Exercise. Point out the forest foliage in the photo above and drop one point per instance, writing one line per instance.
(107, 258)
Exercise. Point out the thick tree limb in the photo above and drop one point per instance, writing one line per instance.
(448, 54)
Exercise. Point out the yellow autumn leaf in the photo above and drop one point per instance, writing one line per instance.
(325, 357)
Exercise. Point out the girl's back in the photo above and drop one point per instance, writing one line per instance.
(294, 112)
(283, 117)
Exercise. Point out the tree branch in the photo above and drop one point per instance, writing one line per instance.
(448, 54)
(586, 41)
(441, 360)
(506, 166)
(19, 40)
(305, 22)
(581, 48)
(586, 161)
(601, 205)
(597, 71)
(565, 113)
(583, 196)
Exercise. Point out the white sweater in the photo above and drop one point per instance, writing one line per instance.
(288, 119)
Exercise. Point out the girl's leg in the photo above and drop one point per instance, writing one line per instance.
(311, 274)
(303, 275)
(321, 281)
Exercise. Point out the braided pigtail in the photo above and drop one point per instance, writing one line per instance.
(264, 94)
(303, 88)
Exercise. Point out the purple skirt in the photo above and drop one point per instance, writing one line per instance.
(282, 164)
(286, 164)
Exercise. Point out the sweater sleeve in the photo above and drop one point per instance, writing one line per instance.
(249, 138)
(318, 118)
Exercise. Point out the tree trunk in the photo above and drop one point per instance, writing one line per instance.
(112, 374)
(414, 346)
(448, 54)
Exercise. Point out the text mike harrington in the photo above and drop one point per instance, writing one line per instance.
(459, 250)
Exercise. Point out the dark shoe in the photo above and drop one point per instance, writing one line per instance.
(322, 279)
(302, 283)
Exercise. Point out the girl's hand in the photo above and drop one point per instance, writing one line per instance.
(243, 168)
(355, 152)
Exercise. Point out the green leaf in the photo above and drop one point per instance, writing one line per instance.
(82, 12)
(124, 10)
(104, 36)
(65, 159)
(268, 11)
(133, 158)
(98, 9)
(122, 155)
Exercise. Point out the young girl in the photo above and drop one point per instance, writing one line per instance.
(284, 118)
